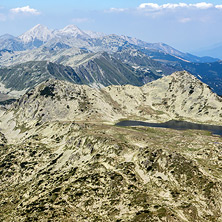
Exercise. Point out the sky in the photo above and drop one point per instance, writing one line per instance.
(185, 25)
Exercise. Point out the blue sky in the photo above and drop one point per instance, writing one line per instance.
(185, 25)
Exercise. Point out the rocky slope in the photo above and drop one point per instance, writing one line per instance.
(211, 73)
(9, 42)
(57, 53)
(179, 96)
(147, 65)
(140, 62)
(68, 171)
(16, 80)
(103, 69)
(95, 69)
(63, 160)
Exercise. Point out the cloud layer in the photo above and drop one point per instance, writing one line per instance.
(201, 5)
(180, 12)
(25, 10)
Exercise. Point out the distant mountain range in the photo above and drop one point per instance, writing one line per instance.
(97, 70)
(95, 59)
(214, 50)
(72, 36)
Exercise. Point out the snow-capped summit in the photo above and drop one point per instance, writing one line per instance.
(74, 31)
(38, 32)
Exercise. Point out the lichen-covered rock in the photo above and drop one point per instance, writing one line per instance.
(62, 161)
(93, 172)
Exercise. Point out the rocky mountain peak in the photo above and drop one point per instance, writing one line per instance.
(183, 95)
(39, 27)
(71, 27)
(74, 31)
(38, 32)
(184, 75)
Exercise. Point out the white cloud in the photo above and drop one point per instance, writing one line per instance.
(154, 6)
(202, 5)
(164, 6)
(168, 6)
(149, 5)
(25, 10)
(218, 6)
(173, 6)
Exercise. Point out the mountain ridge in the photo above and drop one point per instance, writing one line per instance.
(178, 96)
(40, 34)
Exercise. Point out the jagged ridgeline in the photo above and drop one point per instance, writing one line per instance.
(97, 70)
(63, 159)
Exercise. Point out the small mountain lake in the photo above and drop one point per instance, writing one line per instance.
(174, 124)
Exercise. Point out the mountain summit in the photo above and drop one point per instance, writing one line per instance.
(38, 32)
(73, 31)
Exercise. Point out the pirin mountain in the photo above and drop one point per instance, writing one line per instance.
(64, 156)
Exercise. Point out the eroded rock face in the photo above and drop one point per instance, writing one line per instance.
(61, 161)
